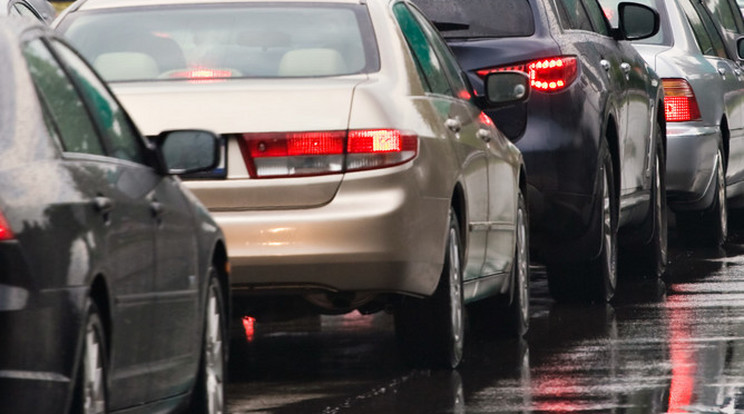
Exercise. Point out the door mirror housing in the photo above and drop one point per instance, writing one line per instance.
(187, 151)
(740, 48)
(637, 21)
(506, 88)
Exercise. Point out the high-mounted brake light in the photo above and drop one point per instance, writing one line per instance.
(201, 74)
(680, 103)
(284, 154)
(547, 75)
(5, 232)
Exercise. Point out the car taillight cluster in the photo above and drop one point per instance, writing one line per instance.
(5, 232)
(680, 103)
(284, 154)
(548, 75)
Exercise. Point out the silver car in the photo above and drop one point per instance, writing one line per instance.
(357, 171)
(41, 10)
(704, 89)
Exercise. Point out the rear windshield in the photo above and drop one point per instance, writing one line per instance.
(480, 18)
(256, 40)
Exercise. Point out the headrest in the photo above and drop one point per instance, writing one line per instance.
(126, 66)
(312, 62)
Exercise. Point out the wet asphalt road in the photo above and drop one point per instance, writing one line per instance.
(662, 346)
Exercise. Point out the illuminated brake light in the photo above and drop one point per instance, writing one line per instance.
(547, 75)
(201, 74)
(5, 232)
(680, 103)
(283, 154)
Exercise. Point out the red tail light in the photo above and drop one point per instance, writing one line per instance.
(680, 103)
(5, 232)
(284, 154)
(548, 75)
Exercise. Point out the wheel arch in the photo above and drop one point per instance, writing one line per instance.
(725, 137)
(221, 264)
(100, 295)
(612, 137)
(458, 204)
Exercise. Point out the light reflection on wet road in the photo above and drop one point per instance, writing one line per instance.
(659, 347)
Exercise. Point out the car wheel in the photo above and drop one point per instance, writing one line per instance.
(91, 394)
(209, 391)
(651, 252)
(711, 226)
(431, 331)
(519, 309)
(594, 279)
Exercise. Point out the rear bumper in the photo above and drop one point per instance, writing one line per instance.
(40, 346)
(378, 234)
(691, 163)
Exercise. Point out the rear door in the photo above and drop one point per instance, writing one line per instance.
(712, 44)
(113, 189)
(455, 121)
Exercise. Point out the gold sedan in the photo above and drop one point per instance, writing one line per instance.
(359, 172)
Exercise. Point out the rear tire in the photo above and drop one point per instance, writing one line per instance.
(431, 331)
(91, 395)
(594, 279)
(518, 312)
(209, 391)
(709, 227)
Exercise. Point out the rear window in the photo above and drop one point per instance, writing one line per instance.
(256, 40)
(480, 18)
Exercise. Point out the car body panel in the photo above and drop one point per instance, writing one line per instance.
(364, 232)
(84, 230)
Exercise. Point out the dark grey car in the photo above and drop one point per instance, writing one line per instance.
(113, 277)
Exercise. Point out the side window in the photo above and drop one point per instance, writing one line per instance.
(597, 17)
(423, 53)
(573, 15)
(715, 36)
(453, 70)
(724, 12)
(76, 129)
(122, 140)
(698, 29)
(23, 10)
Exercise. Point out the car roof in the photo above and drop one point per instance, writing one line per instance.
(109, 4)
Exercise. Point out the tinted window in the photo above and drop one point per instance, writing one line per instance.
(573, 15)
(122, 141)
(445, 55)
(480, 18)
(77, 131)
(597, 17)
(709, 45)
(725, 14)
(218, 41)
(423, 52)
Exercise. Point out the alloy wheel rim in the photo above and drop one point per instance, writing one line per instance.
(522, 265)
(455, 296)
(660, 214)
(214, 356)
(607, 227)
(722, 213)
(95, 395)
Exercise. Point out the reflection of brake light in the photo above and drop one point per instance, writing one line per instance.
(547, 75)
(283, 154)
(5, 232)
(249, 326)
(680, 103)
(202, 73)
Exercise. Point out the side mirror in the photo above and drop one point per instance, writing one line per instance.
(506, 88)
(740, 48)
(187, 151)
(637, 21)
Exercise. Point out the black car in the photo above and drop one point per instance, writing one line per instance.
(592, 134)
(113, 277)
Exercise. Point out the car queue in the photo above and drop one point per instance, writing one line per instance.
(275, 157)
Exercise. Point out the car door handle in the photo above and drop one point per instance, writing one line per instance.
(722, 72)
(484, 135)
(453, 124)
(737, 72)
(157, 209)
(625, 67)
(103, 205)
(605, 64)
